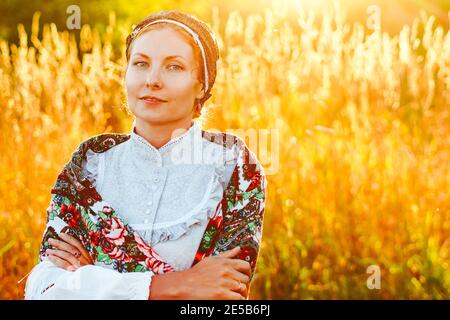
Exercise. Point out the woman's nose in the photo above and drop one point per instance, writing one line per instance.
(153, 79)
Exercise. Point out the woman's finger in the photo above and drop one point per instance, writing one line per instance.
(237, 286)
(64, 246)
(241, 265)
(231, 295)
(239, 283)
(81, 261)
(243, 290)
(77, 244)
(229, 253)
(59, 262)
(239, 276)
(70, 259)
(84, 261)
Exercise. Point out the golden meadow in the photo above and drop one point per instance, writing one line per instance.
(363, 120)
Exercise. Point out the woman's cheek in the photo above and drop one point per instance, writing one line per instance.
(133, 80)
(183, 87)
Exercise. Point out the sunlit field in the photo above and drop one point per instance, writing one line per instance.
(363, 120)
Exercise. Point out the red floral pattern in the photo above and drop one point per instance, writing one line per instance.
(114, 231)
(70, 215)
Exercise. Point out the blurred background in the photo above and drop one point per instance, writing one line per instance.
(359, 92)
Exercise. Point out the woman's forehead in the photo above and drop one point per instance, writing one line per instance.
(162, 43)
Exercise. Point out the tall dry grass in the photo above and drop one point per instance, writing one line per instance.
(363, 119)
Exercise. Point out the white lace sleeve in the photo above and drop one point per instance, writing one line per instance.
(48, 282)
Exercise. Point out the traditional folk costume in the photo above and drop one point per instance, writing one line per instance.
(141, 211)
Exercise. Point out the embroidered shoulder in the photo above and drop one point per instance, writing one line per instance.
(89, 153)
(98, 143)
(104, 141)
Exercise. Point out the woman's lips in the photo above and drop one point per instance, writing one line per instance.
(152, 100)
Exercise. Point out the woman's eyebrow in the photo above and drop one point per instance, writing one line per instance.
(166, 58)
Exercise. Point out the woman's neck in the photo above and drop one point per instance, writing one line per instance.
(159, 134)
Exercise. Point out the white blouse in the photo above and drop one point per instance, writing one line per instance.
(167, 195)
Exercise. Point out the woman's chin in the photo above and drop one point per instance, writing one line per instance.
(155, 119)
(151, 114)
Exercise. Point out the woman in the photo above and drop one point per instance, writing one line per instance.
(168, 211)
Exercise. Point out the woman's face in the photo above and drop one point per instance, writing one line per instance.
(162, 65)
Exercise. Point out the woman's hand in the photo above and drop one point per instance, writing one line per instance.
(214, 278)
(69, 254)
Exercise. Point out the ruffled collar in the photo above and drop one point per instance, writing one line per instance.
(148, 151)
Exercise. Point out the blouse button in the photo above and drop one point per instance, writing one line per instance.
(156, 180)
(150, 203)
(146, 221)
(147, 211)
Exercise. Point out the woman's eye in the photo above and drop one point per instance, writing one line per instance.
(175, 67)
(140, 63)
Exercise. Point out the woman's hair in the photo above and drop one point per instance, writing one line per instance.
(205, 48)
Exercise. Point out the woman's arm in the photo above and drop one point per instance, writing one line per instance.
(220, 277)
